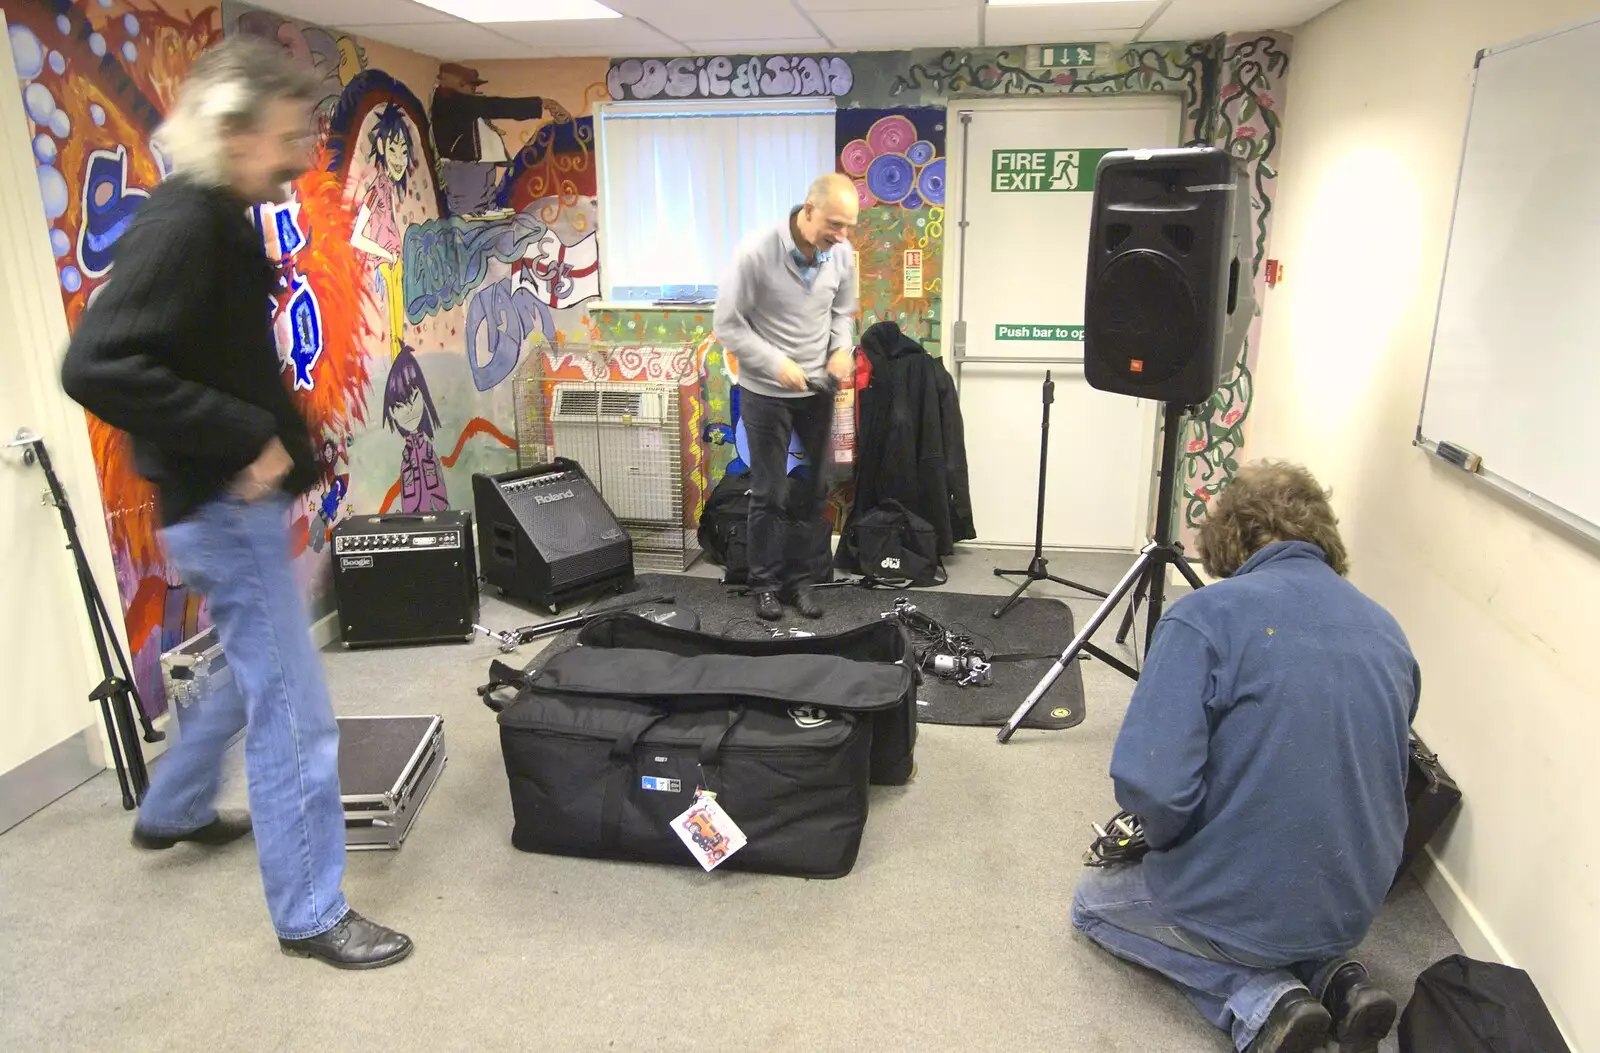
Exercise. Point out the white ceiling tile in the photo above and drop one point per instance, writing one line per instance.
(444, 40)
(910, 11)
(345, 13)
(1194, 19)
(728, 21)
(1068, 24)
(698, 46)
(936, 27)
(619, 35)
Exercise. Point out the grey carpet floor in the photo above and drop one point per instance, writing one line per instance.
(951, 933)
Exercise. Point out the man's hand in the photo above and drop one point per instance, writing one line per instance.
(842, 365)
(265, 473)
(556, 112)
(791, 376)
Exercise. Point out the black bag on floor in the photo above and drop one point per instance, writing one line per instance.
(894, 725)
(724, 526)
(724, 533)
(1431, 795)
(606, 746)
(1466, 1006)
(892, 545)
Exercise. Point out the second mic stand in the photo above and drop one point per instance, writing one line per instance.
(1038, 568)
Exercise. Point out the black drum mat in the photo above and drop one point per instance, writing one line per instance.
(1033, 626)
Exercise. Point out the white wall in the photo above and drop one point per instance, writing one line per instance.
(47, 658)
(1499, 608)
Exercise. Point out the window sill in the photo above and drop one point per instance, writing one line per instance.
(595, 306)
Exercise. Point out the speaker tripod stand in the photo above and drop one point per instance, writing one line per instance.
(1038, 568)
(1148, 574)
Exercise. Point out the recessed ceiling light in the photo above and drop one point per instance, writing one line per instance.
(523, 11)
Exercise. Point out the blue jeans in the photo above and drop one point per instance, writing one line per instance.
(236, 555)
(1234, 991)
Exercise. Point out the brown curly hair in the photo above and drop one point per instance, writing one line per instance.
(1268, 501)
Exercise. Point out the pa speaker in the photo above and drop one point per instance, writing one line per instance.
(1171, 288)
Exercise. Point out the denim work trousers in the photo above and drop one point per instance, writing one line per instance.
(1234, 991)
(235, 554)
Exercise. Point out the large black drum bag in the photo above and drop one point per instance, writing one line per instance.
(606, 746)
(894, 722)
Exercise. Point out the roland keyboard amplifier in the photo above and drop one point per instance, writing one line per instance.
(546, 534)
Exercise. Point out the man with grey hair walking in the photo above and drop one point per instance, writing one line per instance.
(177, 350)
(786, 309)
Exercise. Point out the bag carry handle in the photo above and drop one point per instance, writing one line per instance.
(711, 746)
(623, 746)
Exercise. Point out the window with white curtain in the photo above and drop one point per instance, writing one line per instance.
(682, 183)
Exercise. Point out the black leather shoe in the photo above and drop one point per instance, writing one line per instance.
(805, 601)
(217, 832)
(1297, 1024)
(767, 606)
(1362, 1012)
(354, 943)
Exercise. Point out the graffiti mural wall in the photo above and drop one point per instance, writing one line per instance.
(440, 261)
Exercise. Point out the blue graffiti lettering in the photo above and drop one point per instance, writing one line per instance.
(511, 315)
(446, 259)
(109, 206)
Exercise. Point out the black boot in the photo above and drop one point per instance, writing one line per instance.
(1297, 1024)
(1362, 1012)
(805, 601)
(217, 832)
(767, 606)
(354, 943)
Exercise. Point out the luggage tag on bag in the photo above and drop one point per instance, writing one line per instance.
(708, 831)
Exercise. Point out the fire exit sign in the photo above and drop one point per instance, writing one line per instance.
(1067, 56)
(1044, 171)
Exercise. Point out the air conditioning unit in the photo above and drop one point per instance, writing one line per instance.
(626, 436)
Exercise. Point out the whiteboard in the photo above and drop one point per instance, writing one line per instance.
(1514, 372)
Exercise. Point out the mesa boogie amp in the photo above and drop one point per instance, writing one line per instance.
(405, 579)
(546, 533)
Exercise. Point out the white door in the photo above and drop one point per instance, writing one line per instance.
(1015, 259)
(49, 742)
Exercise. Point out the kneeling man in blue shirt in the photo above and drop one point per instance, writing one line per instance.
(1265, 752)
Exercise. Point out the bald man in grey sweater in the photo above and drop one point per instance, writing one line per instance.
(786, 310)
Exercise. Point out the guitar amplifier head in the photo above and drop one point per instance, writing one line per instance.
(405, 579)
(546, 532)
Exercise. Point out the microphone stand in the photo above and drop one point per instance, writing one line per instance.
(117, 695)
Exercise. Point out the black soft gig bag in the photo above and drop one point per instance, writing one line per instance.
(1462, 1005)
(894, 723)
(605, 746)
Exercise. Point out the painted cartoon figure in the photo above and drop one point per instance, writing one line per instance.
(335, 485)
(378, 230)
(408, 410)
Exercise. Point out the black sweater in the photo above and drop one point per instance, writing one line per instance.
(177, 349)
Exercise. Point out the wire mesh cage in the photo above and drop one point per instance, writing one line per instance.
(628, 437)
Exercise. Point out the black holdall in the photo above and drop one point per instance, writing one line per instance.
(724, 533)
(725, 527)
(1462, 1005)
(606, 747)
(892, 545)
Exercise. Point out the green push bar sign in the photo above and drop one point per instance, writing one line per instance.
(1044, 171)
(1039, 332)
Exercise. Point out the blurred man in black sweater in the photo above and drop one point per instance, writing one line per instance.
(177, 350)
